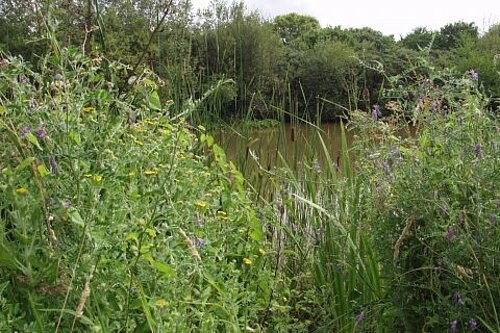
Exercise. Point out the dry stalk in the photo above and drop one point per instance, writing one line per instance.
(402, 237)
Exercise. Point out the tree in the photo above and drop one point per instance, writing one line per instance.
(418, 39)
(452, 35)
(292, 26)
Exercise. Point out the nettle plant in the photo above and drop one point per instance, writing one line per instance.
(112, 216)
(433, 203)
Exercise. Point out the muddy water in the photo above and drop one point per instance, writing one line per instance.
(292, 144)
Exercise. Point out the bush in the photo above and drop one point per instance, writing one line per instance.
(111, 219)
(432, 206)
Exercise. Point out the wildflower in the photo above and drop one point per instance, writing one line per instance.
(451, 233)
(359, 317)
(473, 324)
(247, 261)
(25, 130)
(221, 215)
(477, 150)
(150, 172)
(453, 326)
(316, 167)
(318, 235)
(473, 75)
(161, 303)
(41, 134)
(22, 190)
(262, 252)
(385, 167)
(54, 167)
(88, 109)
(457, 299)
(200, 242)
(97, 178)
(201, 204)
(376, 113)
(32, 104)
(435, 106)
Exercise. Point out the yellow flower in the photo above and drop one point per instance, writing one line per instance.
(150, 172)
(22, 190)
(222, 215)
(88, 109)
(88, 175)
(262, 252)
(247, 261)
(97, 178)
(131, 174)
(161, 303)
(201, 204)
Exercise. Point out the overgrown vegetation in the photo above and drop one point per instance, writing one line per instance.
(288, 65)
(120, 213)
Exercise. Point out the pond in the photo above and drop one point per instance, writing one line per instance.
(291, 144)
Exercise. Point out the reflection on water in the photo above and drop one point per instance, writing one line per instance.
(289, 143)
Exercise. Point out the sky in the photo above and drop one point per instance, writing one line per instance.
(391, 17)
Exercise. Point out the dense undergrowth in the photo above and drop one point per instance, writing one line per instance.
(116, 216)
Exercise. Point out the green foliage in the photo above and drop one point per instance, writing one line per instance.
(292, 26)
(432, 207)
(109, 224)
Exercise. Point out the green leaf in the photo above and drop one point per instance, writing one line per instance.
(255, 227)
(75, 216)
(166, 269)
(31, 138)
(154, 101)
(42, 170)
(6, 258)
(25, 163)
(75, 137)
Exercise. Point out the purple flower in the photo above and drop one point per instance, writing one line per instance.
(54, 168)
(26, 129)
(376, 112)
(436, 105)
(32, 104)
(477, 150)
(385, 167)
(41, 134)
(473, 75)
(457, 299)
(3, 63)
(360, 317)
(453, 326)
(473, 324)
(200, 242)
(451, 233)
(318, 235)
